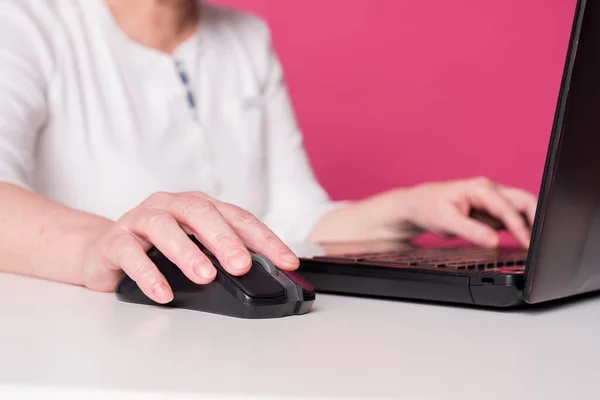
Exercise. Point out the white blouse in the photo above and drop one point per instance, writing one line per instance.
(95, 121)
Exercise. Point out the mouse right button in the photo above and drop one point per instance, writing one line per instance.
(308, 290)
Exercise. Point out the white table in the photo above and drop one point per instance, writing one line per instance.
(67, 341)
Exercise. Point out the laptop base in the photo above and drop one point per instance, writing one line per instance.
(499, 291)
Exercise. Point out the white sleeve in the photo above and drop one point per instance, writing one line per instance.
(24, 63)
(297, 200)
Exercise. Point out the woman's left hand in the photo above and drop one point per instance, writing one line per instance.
(446, 209)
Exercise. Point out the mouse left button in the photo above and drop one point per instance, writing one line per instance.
(259, 283)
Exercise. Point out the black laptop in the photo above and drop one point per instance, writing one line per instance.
(564, 257)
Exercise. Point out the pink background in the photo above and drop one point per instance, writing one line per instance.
(396, 92)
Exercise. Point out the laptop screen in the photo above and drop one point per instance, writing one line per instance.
(565, 252)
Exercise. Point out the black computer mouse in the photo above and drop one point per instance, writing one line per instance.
(263, 292)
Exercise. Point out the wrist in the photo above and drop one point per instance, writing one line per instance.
(391, 213)
(87, 237)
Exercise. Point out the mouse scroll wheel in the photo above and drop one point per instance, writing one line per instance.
(265, 263)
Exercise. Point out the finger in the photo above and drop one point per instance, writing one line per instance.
(258, 237)
(163, 231)
(522, 201)
(469, 229)
(127, 253)
(486, 218)
(213, 231)
(490, 200)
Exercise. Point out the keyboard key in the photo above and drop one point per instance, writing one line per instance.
(509, 260)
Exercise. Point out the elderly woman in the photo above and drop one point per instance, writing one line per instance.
(131, 124)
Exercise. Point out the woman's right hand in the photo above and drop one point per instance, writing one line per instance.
(164, 220)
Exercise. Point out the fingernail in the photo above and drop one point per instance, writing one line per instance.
(239, 260)
(289, 258)
(163, 293)
(203, 270)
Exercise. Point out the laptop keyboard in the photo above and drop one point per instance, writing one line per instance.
(501, 260)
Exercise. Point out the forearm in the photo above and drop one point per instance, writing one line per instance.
(41, 238)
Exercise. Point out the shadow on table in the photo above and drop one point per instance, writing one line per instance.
(561, 304)
(540, 308)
